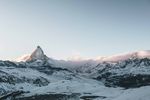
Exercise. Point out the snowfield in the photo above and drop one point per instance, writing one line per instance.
(142, 93)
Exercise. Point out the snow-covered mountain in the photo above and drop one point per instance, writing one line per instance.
(125, 56)
(37, 54)
(119, 77)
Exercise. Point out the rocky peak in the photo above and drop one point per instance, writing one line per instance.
(37, 54)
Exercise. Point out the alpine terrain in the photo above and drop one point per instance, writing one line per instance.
(38, 77)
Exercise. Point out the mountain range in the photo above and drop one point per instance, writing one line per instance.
(35, 76)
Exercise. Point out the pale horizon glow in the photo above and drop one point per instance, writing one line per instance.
(73, 28)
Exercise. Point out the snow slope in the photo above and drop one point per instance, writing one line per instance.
(142, 93)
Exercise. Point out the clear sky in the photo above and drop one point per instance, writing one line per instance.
(65, 28)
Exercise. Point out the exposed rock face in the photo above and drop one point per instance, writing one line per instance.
(127, 74)
(37, 54)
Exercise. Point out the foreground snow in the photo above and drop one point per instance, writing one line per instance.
(93, 89)
(142, 93)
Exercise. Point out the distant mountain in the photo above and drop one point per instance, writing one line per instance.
(125, 56)
(37, 54)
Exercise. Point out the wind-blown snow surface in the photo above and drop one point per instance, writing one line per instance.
(142, 93)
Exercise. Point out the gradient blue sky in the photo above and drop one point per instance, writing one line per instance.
(65, 28)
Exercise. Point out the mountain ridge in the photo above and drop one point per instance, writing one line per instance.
(38, 53)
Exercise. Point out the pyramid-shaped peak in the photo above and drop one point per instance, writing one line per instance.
(38, 50)
(38, 53)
